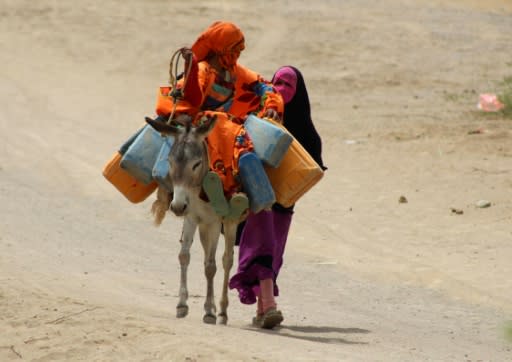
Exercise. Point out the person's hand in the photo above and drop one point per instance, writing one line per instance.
(272, 114)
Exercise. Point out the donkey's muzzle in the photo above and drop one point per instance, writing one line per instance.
(179, 208)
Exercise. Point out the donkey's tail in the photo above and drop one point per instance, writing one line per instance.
(161, 205)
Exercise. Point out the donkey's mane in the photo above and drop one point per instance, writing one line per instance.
(185, 147)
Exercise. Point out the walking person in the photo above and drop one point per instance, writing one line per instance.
(262, 237)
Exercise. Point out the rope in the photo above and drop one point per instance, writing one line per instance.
(176, 93)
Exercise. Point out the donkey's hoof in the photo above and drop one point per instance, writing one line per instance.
(223, 319)
(181, 311)
(210, 319)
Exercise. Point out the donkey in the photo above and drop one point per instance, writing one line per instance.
(188, 161)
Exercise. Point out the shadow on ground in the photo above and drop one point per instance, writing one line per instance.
(300, 332)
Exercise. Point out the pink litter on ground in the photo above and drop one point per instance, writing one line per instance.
(488, 102)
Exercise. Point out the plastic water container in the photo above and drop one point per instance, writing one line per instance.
(489, 102)
(296, 175)
(131, 188)
(255, 183)
(161, 168)
(270, 141)
(141, 156)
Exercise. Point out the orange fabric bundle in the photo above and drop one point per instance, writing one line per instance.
(226, 143)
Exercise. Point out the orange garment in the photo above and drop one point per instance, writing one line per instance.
(227, 141)
(222, 38)
(165, 104)
(252, 94)
(231, 95)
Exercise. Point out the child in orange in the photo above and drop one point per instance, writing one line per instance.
(218, 84)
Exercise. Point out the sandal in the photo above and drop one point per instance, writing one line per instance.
(238, 204)
(212, 186)
(257, 320)
(269, 319)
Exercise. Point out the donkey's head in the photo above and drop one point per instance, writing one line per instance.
(188, 158)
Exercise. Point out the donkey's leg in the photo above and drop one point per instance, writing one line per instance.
(187, 235)
(227, 263)
(209, 235)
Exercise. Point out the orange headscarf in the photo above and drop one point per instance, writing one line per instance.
(222, 38)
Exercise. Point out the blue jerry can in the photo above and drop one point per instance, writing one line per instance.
(161, 168)
(270, 141)
(140, 157)
(255, 183)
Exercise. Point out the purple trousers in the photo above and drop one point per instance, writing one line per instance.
(261, 250)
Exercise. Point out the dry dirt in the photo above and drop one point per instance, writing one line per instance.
(84, 275)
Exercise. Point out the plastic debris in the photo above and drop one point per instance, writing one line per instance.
(489, 102)
(351, 142)
(483, 204)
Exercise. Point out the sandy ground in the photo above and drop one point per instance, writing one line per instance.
(84, 275)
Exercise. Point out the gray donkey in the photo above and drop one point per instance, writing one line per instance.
(188, 161)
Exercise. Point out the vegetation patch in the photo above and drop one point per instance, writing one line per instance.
(505, 97)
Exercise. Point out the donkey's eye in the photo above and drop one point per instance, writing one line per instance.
(196, 165)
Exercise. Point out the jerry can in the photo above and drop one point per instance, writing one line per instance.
(270, 141)
(255, 182)
(297, 173)
(141, 155)
(160, 170)
(134, 190)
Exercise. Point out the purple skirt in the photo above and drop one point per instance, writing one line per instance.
(261, 252)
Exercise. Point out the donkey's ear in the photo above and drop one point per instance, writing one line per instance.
(161, 127)
(206, 124)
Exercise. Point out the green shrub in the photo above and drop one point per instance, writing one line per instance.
(508, 331)
(505, 97)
